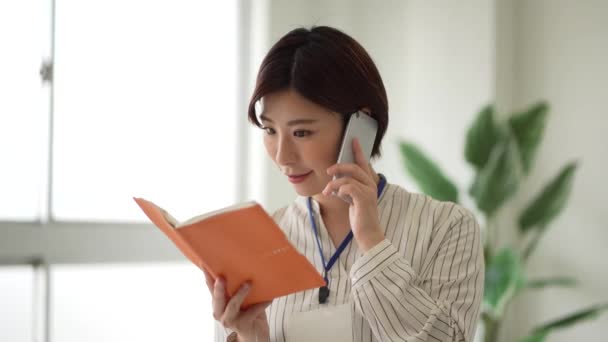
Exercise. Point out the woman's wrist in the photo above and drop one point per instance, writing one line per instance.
(370, 241)
(258, 335)
(254, 338)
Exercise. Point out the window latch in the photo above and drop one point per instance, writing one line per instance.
(46, 71)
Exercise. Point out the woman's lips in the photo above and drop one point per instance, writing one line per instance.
(298, 178)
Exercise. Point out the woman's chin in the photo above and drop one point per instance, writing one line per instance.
(305, 191)
(309, 186)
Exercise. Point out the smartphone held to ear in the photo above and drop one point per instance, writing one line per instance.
(364, 128)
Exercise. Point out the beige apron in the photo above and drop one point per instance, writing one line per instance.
(331, 323)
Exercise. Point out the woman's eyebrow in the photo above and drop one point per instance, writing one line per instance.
(292, 122)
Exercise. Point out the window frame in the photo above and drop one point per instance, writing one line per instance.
(111, 242)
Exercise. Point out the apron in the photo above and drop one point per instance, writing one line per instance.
(328, 323)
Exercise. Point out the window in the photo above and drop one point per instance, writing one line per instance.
(23, 106)
(145, 105)
(125, 303)
(16, 303)
(142, 102)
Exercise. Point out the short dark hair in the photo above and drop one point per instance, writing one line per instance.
(327, 67)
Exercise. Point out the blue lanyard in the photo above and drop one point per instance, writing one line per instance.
(345, 242)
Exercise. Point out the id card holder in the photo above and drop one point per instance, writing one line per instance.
(331, 323)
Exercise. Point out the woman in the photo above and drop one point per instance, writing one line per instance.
(412, 269)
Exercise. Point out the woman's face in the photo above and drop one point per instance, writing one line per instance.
(302, 138)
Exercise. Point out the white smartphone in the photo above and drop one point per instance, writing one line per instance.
(364, 128)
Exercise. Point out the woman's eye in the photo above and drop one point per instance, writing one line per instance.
(301, 133)
(268, 130)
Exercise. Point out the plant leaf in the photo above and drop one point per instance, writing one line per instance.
(551, 200)
(503, 279)
(528, 128)
(499, 178)
(538, 336)
(576, 317)
(427, 174)
(557, 281)
(481, 138)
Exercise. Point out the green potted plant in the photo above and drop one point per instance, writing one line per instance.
(502, 155)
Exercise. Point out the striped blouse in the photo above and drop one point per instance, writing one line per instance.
(424, 282)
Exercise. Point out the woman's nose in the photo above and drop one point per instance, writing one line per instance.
(285, 153)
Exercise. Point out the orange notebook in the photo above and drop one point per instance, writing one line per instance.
(240, 243)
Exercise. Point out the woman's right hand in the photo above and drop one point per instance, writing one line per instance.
(250, 324)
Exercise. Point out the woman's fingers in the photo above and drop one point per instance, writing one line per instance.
(209, 280)
(233, 308)
(230, 314)
(348, 186)
(359, 170)
(255, 310)
(335, 185)
(349, 189)
(353, 171)
(219, 298)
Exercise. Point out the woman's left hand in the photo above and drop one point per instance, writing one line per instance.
(358, 183)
